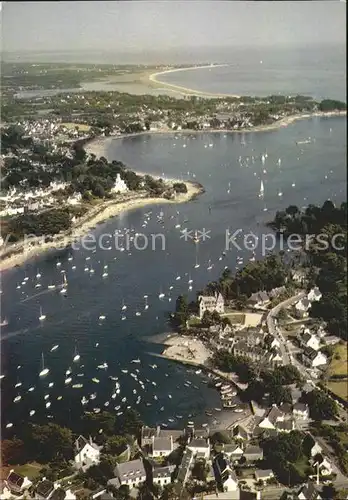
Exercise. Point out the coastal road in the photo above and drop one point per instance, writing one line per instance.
(273, 330)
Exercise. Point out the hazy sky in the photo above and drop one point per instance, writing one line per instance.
(141, 25)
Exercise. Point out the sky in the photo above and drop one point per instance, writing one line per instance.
(136, 26)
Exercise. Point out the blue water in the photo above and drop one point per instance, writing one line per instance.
(318, 171)
(317, 72)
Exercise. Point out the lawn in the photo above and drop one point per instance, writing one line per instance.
(31, 470)
(339, 366)
(339, 387)
(235, 318)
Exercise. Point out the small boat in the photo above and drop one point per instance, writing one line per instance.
(76, 356)
(68, 380)
(42, 316)
(55, 347)
(9, 425)
(102, 317)
(51, 287)
(161, 295)
(95, 380)
(31, 389)
(210, 265)
(17, 399)
(64, 285)
(105, 274)
(4, 322)
(124, 307)
(104, 366)
(197, 372)
(32, 412)
(262, 190)
(169, 396)
(58, 264)
(195, 238)
(124, 371)
(171, 420)
(44, 370)
(136, 360)
(138, 313)
(77, 386)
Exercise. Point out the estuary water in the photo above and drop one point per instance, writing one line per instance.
(230, 168)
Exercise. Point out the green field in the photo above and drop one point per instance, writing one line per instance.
(339, 362)
(339, 387)
(31, 470)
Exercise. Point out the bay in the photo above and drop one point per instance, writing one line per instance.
(223, 164)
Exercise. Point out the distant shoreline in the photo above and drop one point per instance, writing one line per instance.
(99, 145)
(185, 90)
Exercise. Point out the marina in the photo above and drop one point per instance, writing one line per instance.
(98, 330)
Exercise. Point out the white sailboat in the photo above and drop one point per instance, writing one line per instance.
(124, 307)
(262, 190)
(146, 304)
(64, 285)
(42, 316)
(210, 265)
(197, 263)
(76, 356)
(44, 370)
(161, 294)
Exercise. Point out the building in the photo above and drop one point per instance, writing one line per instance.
(130, 474)
(310, 340)
(302, 308)
(275, 292)
(242, 348)
(253, 453)
(313, 358)
(258, 299)
(224, 474)
(147, 434)
(211, 303)
(300, 411)
(263, 475)
(87, 453)
(120, 186)
(240, 433)
(309, 492)
(185, 467)
(273, 417)
(314, 295)
(200, 447)
(17, 484)
(233, 451)
(44, 489)
(331, 340)
(162, 446)
(162, 475)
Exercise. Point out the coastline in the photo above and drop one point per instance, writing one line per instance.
(105, 210)
(99, 145)
(153, 78)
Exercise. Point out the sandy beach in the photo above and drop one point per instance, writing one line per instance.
(155, 78)
(20, 253)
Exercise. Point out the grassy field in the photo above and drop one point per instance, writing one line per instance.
(81, 126)
(31, 470)
(235, 318)
(340, 388)
(338, 365)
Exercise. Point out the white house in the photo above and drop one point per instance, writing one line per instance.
(200, 447)
(314, 358)
(120, 186)
(263, 475)
(87, 453)
(225, 474)
(162, 475)
(300, 411)
(259, 299)
(302, 307)
(211, 303)
(233, 451)
(17, 484)
(162, 446)
(316, 449)
(129, 473)
(310, 340)
(273, 417)
(314, 295)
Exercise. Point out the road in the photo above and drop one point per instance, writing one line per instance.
(274, 330)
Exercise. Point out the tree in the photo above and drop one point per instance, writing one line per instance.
(12, 452)
(321, 406)
(114, 445)
(292, 210)
(50, 441)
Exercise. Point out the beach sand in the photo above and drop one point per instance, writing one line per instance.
(186, 349)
